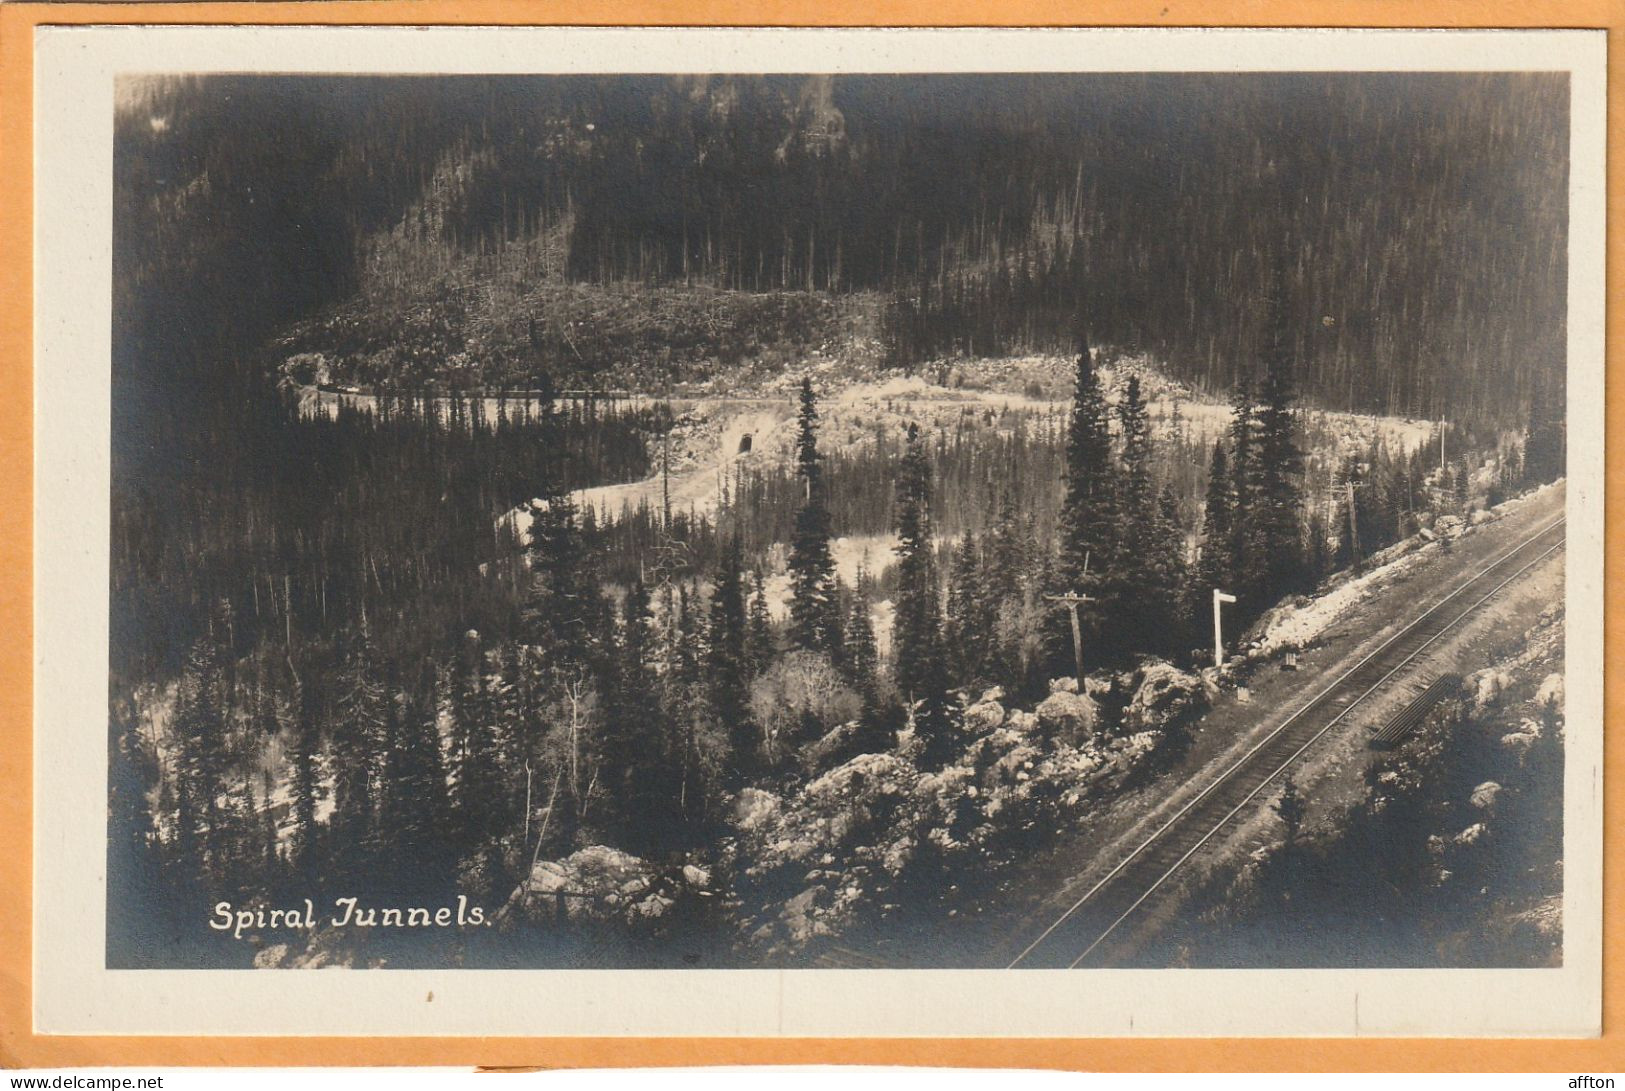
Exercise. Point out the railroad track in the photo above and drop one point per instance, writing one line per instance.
(1097, 924)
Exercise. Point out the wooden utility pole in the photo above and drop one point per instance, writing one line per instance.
(1073, 600)
(1347, 489)
(1219, 598)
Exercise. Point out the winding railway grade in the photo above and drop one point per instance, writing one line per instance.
(1084, 935)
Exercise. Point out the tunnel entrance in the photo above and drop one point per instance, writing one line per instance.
(744, 444)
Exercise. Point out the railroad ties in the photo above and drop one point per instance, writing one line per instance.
(1101, 927)
(1411, 716)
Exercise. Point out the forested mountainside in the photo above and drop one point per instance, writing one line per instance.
(482, 230)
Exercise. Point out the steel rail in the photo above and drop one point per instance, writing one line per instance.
(1314, 703)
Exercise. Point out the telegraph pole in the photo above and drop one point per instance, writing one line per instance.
(1219, 599)
(1073, 600)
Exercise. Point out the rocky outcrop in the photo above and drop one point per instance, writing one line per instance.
(1068, 716)
(1164, 697)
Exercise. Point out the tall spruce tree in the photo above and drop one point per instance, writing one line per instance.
(815, 608)
(689, 711)
(968, 626)
(1213, 566)
(308, 788)
(635, 756)
(862, 663)
(359, 726)
(1088, 519)
(476, 758)
(1276, 511)
(1007, 583)
(862, 667)
(729, 665)
(1170, 578)
(1241, 560)
(414, 808)
(203, 759)
(1545, 440)
(1131, 592)
(557, 614)
(920, 667)
(759, 643)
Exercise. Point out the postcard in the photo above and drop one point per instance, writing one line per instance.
(730, 532)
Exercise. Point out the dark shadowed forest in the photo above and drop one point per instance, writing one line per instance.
(387, 651)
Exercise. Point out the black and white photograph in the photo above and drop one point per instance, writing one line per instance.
(843, 520)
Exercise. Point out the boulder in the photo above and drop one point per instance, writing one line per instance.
(1485, 795)
(756, 809)
(1021, 722)
(802, 917)
(984, 716)
(1068, 716)
(591, 883)
(1471, 834)
(1551, 692)
(1486, 687)
(1164, 696)
(1519, 742)
(839, 744)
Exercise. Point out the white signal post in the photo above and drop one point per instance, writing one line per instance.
(1219, 599)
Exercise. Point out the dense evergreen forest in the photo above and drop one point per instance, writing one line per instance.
(339, 667)
(972, 214)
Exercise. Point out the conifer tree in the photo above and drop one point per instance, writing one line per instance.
(636, 760)
(359, 723)
(862, 663)
(307, 783)
(729, 666)
(878, 732)
(1545, 440)
(478, 783)
(1276, 509)
(1006, 583)
(815, 617)
(759, 643)
(968, 625)
(1088, 517)
(688, 707)
(557, 612)
(274, 862)
(1128, 582)
(415, 806)
(920, 670)
(1242, 560)
(1169, 578)
(1212, 568)
(203, 759)
(132, 774)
